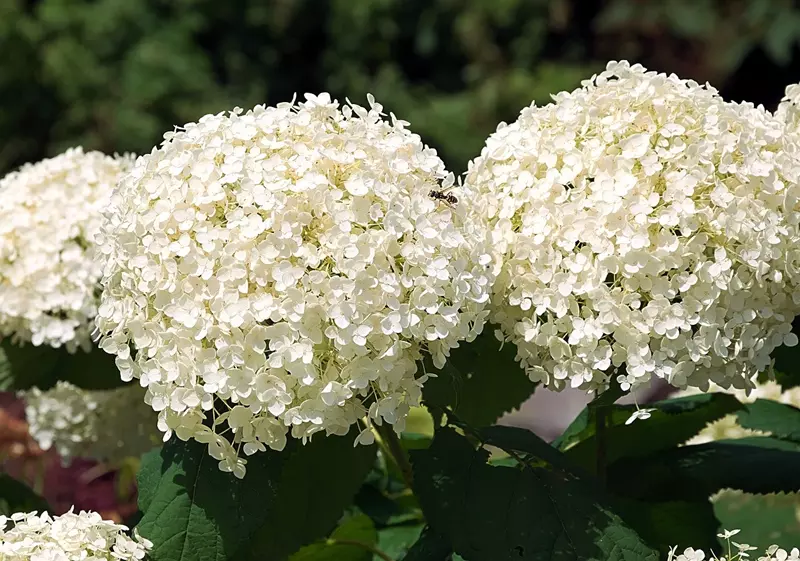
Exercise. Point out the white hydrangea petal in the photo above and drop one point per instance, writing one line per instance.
(70, 536)
(735, 551)
(649, 229)
(789, 108)
(50, 213)
(273, 269)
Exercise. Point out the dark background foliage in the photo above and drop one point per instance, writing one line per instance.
(115, 74)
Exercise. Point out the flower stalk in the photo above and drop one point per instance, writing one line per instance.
(392, 447)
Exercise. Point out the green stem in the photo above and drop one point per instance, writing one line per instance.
(600, 407)
(369, 547)
(395, 450)
(600, 412)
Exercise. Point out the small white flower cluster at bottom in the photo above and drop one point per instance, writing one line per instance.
(736, 552)
(69, 537)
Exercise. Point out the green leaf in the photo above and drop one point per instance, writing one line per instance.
(763, 519)
(786, 361)
(95, 370)
(496, 513)
(754, 465)
(667, 523)
(779, 419)
(25, 366)
(581, 428)
(384, 510)
(15, 496)
(786, 381)
(395, 541)
(673, 422)
(419, 422)
(430, 546)
(419, 429)
(195, 512)
(526, 442)
(480, 381)
(320, 479)
(359, 534)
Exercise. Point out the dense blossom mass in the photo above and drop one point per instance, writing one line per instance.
(649, 229)
(50, 213)
(286, 268)
(789, 107)
(107, 425)
(69, 537)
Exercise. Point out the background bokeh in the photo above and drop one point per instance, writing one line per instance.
(115, 74)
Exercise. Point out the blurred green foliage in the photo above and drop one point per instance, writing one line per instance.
(116, 74)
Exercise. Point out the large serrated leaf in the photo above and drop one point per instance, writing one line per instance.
(673, 422)
(526, 442)
(754, 465)
(386, 511)
(491, 513)
(352, 540)
(95, 370)
(666, 523)
(319, 480)
(779, 419)
(395, 541)
(195, 512)
(15, 496)
(25, 366)
(583, 426)
(430, 546)
(480, 381)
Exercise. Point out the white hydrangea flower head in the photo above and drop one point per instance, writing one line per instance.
(287, 267)
(649, 229)
(789, 108)
(727, 427)
(50, 213)
(735, 552)
(105, 425)
(69, 537)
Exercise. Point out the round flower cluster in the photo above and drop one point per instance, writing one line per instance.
(727, 427)
(649, 229)
(789, 107)
(287, 267)
(50, 213)
(735, 552)
(69, 537)
(106, 425)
